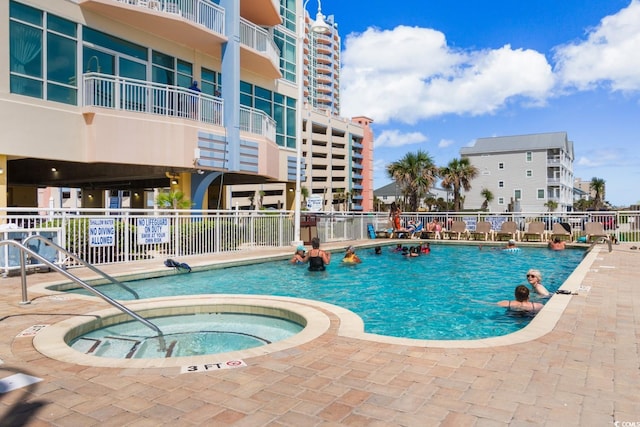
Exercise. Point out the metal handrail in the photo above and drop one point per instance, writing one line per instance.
(81, 261)
(23, 273)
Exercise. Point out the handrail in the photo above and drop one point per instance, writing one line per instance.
(81, 261)
(23, 249)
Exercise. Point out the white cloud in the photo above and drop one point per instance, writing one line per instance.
(444, 143)
(408, 74)
(610, 55)
(395, 138)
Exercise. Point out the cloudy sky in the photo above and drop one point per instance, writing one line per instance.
(436, 75)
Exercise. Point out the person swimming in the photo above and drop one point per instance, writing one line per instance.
(298, 257)
(350, 256)
(521, 302)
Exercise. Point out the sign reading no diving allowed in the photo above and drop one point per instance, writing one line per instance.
(102, 232)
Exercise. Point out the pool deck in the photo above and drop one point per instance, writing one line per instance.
(584, 371)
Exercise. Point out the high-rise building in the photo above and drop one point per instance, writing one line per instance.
(118, 98)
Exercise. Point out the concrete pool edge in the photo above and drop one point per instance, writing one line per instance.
(50, 341)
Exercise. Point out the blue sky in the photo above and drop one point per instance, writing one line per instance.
(436, 75)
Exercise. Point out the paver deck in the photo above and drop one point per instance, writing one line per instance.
(585, 372)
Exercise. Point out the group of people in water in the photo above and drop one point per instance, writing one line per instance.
(317, 260)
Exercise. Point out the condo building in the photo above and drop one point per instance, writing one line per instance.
(111, 100)
(523, 172)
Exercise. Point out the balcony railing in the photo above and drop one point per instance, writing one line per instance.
(119, 93)
(202, 12)
(257, 122)
(259, 39)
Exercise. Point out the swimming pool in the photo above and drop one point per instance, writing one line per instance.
(446, 295)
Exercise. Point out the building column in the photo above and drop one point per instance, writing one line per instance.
(3, 181)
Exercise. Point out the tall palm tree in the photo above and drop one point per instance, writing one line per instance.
(457, 175)
(415, 174)
(488, 198)
(597, 186)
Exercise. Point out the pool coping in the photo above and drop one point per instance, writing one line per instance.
(50, 341)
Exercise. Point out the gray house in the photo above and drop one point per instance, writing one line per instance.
(523, 172)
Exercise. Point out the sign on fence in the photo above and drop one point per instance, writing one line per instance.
(152, 230)
(102, 232)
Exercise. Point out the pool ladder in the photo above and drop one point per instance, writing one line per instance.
(25, 250)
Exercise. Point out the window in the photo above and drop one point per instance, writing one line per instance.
(282, 109)
(500, 165)
(500, 184)
(32, 33)
(529, 156)
(540, 192)
(210, 82)
(287, 44)
(501, 200)
(517, 194)
(529, 173)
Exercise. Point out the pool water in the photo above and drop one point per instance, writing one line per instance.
(447, 294)
(186, 335)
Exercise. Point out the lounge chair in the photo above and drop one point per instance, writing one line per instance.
(536, 231)
(508, 231)
(560, 231)
(483, 231)
(458, 229)
(416, 230)
(595, 230)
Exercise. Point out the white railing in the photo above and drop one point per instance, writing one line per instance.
(106, 91)
(259, 39)
(257, 122)
(202, 12)
(103, 236)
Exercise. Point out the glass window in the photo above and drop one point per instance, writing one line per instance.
(116, 44)
(517, 194)
(529, 156)
(24, 86)
(161, 59)
(98, 62)
(500, 165)
(25, 49)
(62, 26)
(209, 82)
(65, 94)
(529, 173)
(540, 193)
(501, 184)
(61, 59)
(25, 13)
(185, 73)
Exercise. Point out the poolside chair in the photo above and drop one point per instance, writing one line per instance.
(561, 231)
(536, 231)
(417, 230)
(458, 229)
(483, 231)
(508, 230)
(595, 230)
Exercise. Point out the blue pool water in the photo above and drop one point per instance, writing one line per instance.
(447, 294)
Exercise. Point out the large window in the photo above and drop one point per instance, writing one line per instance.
(42, 49)
(210, 82)
(280, 108)
(287, 45)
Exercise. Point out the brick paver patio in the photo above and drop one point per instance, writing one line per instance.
(583, 373)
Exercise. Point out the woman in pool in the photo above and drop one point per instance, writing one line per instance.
(534, 277)
(521, 303)
(298, 257)
(350, 256)
(316, 257)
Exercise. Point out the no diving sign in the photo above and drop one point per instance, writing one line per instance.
(216, 366)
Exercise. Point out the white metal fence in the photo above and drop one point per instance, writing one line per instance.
(101, 236)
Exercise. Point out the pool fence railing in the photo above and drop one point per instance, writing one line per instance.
(105, 236)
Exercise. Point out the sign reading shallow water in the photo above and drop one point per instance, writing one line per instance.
(102, 232)
(229, 364)
(152, 230)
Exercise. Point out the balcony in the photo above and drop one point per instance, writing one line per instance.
(262, 12)
(259, 53)
(257, 122)
(195, 23)
(106, 91)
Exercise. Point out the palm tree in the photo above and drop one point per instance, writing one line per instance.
(597, 186)
(488, 198)
(552, 205)
(173, 200)
(457, 175)
(415, 174)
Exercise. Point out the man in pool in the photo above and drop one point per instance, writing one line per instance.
(316, 257)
